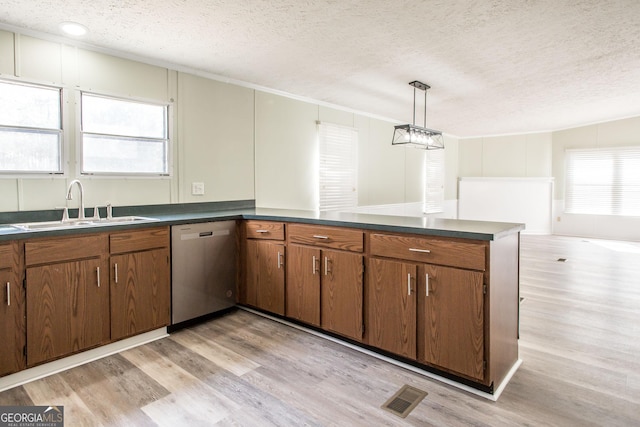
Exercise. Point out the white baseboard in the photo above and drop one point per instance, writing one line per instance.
(69, 362)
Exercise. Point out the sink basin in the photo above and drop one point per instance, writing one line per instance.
(76, 223)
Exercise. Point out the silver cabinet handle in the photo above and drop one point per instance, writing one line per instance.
(115, 268)
(314, 265)
(262, 231)
(326, 266)
(98, 273)
(8, 294)
(279, 260)
(424, 251)
(317, 236)
(426, 278)
(409, 284)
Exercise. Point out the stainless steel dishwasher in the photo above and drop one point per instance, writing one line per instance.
(203, 270)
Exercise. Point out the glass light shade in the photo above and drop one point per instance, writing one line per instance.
(418, 136)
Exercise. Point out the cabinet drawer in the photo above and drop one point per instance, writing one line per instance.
(139, 240)
(327, 237)
(64, 249)
(429, 250)
(265, 230)
(6, 256)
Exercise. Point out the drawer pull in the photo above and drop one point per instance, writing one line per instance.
(279, 260)
(316, 265)
(409, 284)
(115, 268)
(317, 236)
(262, 231)
(424, 251)
(326, 266)
(8, 294)
(98, 274)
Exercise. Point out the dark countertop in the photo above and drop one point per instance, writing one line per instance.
(217, 211)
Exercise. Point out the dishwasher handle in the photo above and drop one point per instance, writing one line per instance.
(203, 234)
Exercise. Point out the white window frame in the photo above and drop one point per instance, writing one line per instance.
(337, 166)
(596, 184)
(434, 181)
(168, 139)
(30, 129)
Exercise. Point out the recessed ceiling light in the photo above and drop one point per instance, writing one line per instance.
(73, 29)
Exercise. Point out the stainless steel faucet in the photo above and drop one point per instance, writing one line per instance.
(70, 197)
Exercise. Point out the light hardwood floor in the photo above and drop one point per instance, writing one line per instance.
(579, 342)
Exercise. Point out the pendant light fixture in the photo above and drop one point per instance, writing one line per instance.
(418, 136)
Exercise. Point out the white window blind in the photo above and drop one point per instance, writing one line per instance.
(603, 181)
(338, 171)
(434, 186)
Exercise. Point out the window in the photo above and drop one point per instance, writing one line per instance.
(30, 128)
(123, 137)
(434, 185)
(603, 181)
(338, 177)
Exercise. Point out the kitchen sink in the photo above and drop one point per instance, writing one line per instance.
(79, 223)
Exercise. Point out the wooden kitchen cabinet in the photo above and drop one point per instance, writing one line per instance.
(430, 313)
(303, 284)
(451, 319)
(325, 278)
(67, 293)
(264, 282)
(140, 284)
(391, 306)
(324, 288)
(12, 309)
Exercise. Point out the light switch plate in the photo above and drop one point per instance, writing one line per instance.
(197, 188)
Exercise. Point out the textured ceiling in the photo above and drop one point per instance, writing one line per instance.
(495, 67)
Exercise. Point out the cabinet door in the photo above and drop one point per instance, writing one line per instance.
(451, 319)
(140, 292)
(67, 308)
(12, 325)
(303, 284)
(391, 306)
(265, 275)
(341, 293)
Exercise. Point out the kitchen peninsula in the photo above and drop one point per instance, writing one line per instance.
(439, 295)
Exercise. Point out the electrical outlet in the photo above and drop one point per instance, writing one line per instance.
(197, 188)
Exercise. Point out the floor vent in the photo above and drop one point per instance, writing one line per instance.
(403, 402)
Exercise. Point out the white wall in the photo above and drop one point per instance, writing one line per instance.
(506, 156)
(522, 200)
(215, 140)
(617, 133)
(508, 178)
(285, 152)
